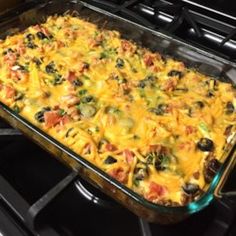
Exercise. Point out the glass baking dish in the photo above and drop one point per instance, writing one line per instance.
(207, 63)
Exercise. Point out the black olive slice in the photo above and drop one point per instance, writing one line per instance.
(77, 83)
(68, 132)
(16, 108)
(120, 63)
(205, 145)
(9, 50)
(160, 110)
(37, 61)
(140, 173)
(58, 79)
(229, 108)
(31, 45)
(101, 143)
(210, 93)
(149, 158)
(175, 73)
(19, 96)
(41, 35)
(50, 68)
(30, 37)
(190, 188)
(142, 84)
(110, 160)
(161, 162)
(200, 104)
(39, 116)
(150, 80)
(228, 130)
(86, 65)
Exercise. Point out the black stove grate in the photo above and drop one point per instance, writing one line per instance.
(198, 24)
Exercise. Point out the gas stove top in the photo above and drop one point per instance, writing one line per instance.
(40, 196)
(208, 24)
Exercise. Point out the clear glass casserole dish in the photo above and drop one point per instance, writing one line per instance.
(193, 57)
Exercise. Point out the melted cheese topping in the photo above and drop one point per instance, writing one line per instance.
(153, 124)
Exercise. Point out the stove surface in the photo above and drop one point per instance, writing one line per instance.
(81, 209)
(28, 175)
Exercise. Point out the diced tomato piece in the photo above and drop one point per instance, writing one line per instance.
(94, 42)
(149, 59)
(125, 88)
(37, 27)
(21, 48)
(65, 119)
(188, 146)
(157, 188)
(155, 68)
(60, 44)
(129, 155)
(42, 29)
(172, 106)
(99, 38)
(10, 59)
(52, 118)
(170, 85)
(119, 174)
(10, 92)
(156, 191)
(71, 76)
(71, 34)
(14, 75)
(155, 148)
(41, 49)
(180, 66)
(190, 129)
(182, 146)
(196, 175)
(45, 31)
(127, 46)
(70, 100)
(110, 147)
(83, 66)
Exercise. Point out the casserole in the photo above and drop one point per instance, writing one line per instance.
(96, 175)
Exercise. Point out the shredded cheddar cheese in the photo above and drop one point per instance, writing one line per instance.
(151, 123)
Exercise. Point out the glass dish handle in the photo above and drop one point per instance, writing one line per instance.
(219, 192)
